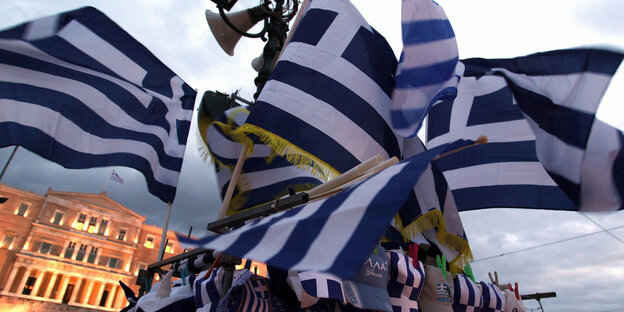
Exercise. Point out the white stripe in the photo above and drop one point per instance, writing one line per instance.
(342, 72)
(263, 178)
(580, 91)
(507, 173)
(464, 289)
(223, 147)
(90, 43)
(93, 99)
(556, 155)
(323, 117)
(429, 53)
(67, 133)
(346, 25)
(41, 28)
(418, 6)
(598, 190)
(346, 219)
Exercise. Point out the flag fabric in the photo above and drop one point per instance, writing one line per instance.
(333, 235)
(115, 177)
(430, 214)
(78, 90)
(322, 285)
(264, 175)
(207, 290)
(406, 282)
(493, 298)
(426, 70)
(546, 149)
(467, 295)
(326, 104)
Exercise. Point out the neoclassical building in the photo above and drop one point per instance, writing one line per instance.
(73, 248)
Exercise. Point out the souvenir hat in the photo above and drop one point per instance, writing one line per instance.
(467, 295)
(437, 293)
(367, 289)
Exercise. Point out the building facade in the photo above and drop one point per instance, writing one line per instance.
(73, 248)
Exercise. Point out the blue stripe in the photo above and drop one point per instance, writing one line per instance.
(404, 118)
(45, 146)
(270, 192)
(411, 210)
(85, 118)
(371, 53)
(555, 119)
(426, 76)
(154, 114)
(439, 119)
(310, 287)
(426, 31)
(494, 107)
(618, 170)
(512, 196)
(441, 187)
(334, 290)
(496, 152)
(570, 188)
(314, 25)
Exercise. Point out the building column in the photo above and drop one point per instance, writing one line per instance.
(39, 277)
(111, 295)
(20, 286)
(120, 299)
(77, 288)
(9, 281)
(50, 285)
(63, 286)
(87, 294)
(100, 293)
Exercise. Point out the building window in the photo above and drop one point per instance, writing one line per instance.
(149, 242)
(7, 242)
(69, 252)
(113, 262)
(103, 226)
(169, 248)
(58, 218)
(81, 221)
(122, 235)
(22, 210)
(28, 287)
(44, 248)
(92, 255)
(92, 222)
(81, 252)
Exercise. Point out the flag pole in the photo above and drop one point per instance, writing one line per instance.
(8, 161)
(164, 233)
(106, 183)
(230, 190)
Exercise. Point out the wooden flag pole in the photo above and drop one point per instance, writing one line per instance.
(8, 161)
(480, 140)
(350, 175)
(230, 190)
(163, 237)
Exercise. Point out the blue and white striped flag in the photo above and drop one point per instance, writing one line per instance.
(467, 296)
(426, 70)
(493, 298)
(546, 148)
(326, 104)
(264, 175)
(207, 290)
(406, 282)
(77, 89)
(322, 285)
(334, 235)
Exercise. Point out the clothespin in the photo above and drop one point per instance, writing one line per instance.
(376, 250)
(468, 271)
(516, 291)
(413, 253)
(441, 264)
(494, 280)
(183, 273)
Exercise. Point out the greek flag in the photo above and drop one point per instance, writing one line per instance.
(322, 285)
(264, 175)
(430, 214)
(493, 298)
(77, 89)
(467, 295)
(406, 282)
(334, 235)
(115, 177)
(546, 148)
(426, 70)
(326, 104)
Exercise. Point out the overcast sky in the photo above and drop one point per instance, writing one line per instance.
(587, 273)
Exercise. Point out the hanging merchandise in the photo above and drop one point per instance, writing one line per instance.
(437, 294)
(165, 298)
(407, 278)
(512, 303)
(207, 290)
(493, 298)
(250, 293)
(467, 296)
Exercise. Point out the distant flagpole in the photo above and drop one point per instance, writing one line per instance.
(8, 161)
(164, 233)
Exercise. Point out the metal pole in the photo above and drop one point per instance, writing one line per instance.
(8, 161)
(164, 233)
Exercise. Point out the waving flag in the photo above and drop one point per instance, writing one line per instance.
(77, 89)
(264, 176)
(115, 177)
(467, 296)
(426, 71)
(334, 235)
(546, 148)
(326, 104)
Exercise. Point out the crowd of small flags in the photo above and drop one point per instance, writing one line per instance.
(336, 98)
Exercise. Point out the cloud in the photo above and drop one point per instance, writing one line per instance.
(602, 16)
